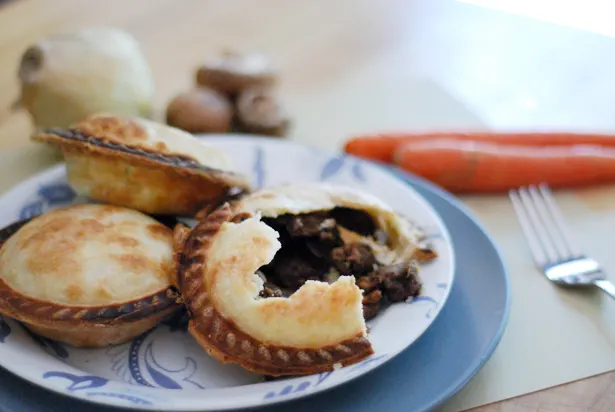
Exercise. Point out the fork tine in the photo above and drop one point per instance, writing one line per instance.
(538, 226)
(549, 223)
(559, 221)
(526, 226)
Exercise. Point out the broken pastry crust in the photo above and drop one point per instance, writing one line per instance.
(317, 327)
(87, 275)
(143, 165)
(406, 240)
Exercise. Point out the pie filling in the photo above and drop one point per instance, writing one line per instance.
(325, 245)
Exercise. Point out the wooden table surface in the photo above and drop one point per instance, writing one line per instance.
(318, 46)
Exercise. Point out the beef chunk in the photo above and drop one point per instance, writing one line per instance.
(371, 304)
(291, 269)
(312, 245)
(372, 297)
(329, 233)
(319, 249)
(270, 290)
(353, 259)
(307, 241)
(369, 282)
(370, 311)
(399, 281)
(355, 220)
(316, 232)
(308, 225)
(314, 225)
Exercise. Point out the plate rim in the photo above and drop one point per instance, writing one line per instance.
(277, 400)
(471, 370)
(478, 365)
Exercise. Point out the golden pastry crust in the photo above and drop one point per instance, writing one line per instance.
(88, 335)
(88, 275)
(319, 326)
(143, 165)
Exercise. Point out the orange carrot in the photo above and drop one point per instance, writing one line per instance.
(466, 166)
(382, 146)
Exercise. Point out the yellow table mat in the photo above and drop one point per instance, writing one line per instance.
(554, 336)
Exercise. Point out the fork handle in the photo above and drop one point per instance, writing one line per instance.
(606, 286)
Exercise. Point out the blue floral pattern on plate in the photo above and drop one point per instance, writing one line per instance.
(48, 196)
(77, 382)
(165, 368)
(337, 164)
(299, 387)
(332, 167)
(85, 382)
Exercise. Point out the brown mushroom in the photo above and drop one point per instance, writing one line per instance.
(259, 112)
(232, 72)
(200, 111)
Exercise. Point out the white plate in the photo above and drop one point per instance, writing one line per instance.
(165, 369)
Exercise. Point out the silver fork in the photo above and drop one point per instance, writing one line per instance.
(551, 243)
